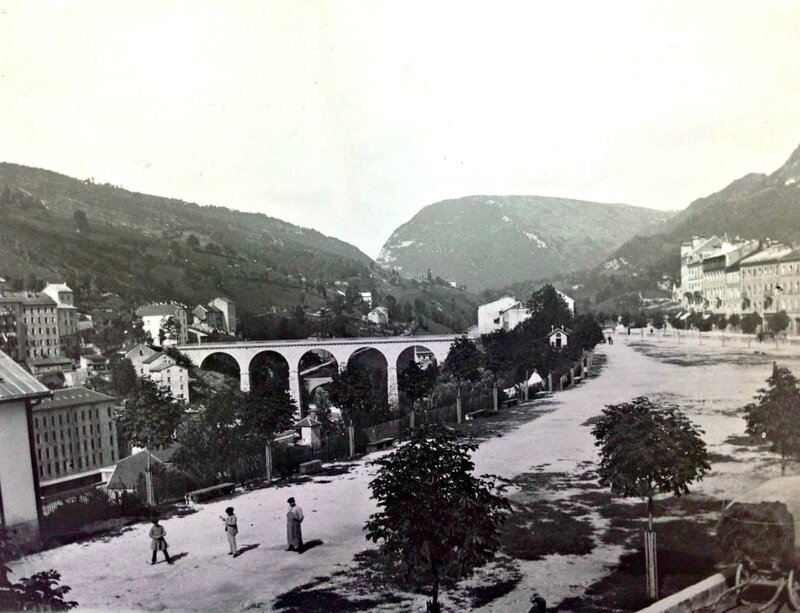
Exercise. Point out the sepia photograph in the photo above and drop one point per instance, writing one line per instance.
(322, 306)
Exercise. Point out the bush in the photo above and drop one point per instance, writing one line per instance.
(751, 322)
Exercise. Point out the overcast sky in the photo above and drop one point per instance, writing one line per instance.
(351, 116)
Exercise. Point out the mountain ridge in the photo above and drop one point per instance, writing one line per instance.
(486, 241)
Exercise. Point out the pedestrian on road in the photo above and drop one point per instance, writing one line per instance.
(231, 529)
(158, 542)
(294, 534)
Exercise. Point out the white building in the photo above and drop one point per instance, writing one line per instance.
(507, 313)
(558, 338)
(156, 322)
(19, 482)
(366, 297)
(489, 315)
(149, 363)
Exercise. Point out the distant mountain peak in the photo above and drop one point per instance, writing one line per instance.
(789, 173)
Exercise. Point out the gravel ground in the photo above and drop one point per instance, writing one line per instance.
(549, 456)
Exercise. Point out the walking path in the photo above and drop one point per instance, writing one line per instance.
(115, 574)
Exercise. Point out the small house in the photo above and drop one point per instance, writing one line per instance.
(558, 338)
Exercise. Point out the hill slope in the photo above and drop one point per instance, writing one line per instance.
(491, 241)
(118, 249)
(754, 206)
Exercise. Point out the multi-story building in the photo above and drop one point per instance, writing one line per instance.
(67, 314)
(167, 324)
(36, 320)
(75, 437)
(157, 366)
(228, 308)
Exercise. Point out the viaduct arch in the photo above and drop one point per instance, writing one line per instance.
(340, 348)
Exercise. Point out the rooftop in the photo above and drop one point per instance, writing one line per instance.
(27, 298)
(51, 361)
(16, 383)
(70, 397)
(773, 253)
(158, 310)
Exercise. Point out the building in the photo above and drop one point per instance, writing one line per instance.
(366, 298)
(75, 437)
(36, 319)
(228, 308)
(157, 366)
(20, 506)
(167, 324)
(507, 313)
(558, 338)
(378, 315)
(127, 475)
(763, 281)
(489, 315)
(208, 317)
(66, 314)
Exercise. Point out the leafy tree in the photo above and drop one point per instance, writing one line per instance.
(150, 416)
(463, 361)
(39, 592)
(181, 359)
(646, 449)
(170, 329)
(139, 334)
(657, 320)
(779, 322)
(720, 321)
(351, 390)
(735, 320)
(775, 414)
(750, 322)
(416, 382)
(435, 518)
(548, 310)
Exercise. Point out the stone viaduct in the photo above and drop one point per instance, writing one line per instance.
(340, 348)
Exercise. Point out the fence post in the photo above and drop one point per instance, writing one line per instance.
(650, 561)
(351, 438)
(412, 417)
(268, 458)
(458, 409)
(550, 382)
(494, 397)
(525, 389)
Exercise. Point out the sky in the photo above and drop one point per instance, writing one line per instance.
(350, 116)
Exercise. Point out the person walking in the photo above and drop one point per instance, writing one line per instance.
(158, 542)
(231, 529)
(294, 534)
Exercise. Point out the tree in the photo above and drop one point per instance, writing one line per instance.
(431, 477)
(463, 361)
(416, 382)
(548, 310)
(775, 414)
(750, 322)
(40, 592)
(81, 221)
(735, 320)
(192, 241)
(170, 329)
(150, 416)
(351, 391)
(779, 322)
(647, 449)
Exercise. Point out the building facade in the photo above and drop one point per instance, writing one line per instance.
(20, 506)
(228, 309)
(149, 363)
(167, 324)
(75, 436)
(66, 314)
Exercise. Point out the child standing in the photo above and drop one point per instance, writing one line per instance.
(158, 542)
(231, 530)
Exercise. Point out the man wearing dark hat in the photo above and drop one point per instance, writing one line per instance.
(294, 535)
